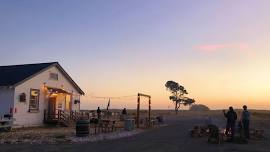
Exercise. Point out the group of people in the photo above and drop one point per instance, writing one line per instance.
(231, 116)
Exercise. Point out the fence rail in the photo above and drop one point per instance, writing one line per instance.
(66, 118)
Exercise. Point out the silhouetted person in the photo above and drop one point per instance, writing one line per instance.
(231, 119)
(99, 113)
(245, 121)
(124, 111)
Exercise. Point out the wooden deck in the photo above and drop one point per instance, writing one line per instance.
(64, 118)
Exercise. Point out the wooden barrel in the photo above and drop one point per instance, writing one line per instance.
(82, 128)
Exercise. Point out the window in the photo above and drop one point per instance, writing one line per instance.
(34, 100)
(22, 97)
(53, 76)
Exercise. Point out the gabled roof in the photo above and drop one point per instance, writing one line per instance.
(14, 75)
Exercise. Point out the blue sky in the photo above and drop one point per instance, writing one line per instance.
(140, 44)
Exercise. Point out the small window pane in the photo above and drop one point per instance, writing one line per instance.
(53, 76)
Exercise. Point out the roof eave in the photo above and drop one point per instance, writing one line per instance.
(70, 79)
(9, 87)
(30, 77)
(61, 69)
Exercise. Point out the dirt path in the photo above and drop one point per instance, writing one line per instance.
(173, 138)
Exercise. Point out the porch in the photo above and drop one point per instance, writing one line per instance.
(60, 108)
(64, 118)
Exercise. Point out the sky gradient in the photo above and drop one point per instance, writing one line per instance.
(219, 50)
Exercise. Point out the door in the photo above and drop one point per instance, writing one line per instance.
(68, 102)
(52, 107)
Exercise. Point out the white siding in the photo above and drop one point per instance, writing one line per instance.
(6, 100)
(25, 118)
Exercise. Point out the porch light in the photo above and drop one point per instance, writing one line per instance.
(56, 90)
(54, 94)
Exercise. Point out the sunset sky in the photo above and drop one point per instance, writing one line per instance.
(219, 50)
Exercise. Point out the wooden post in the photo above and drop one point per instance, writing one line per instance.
(149, 112)
(138, 111)
(44, 119)
(58, 115)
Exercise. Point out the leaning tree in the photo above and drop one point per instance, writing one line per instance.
(178, 93)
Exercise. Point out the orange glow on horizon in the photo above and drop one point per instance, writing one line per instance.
(232, 85)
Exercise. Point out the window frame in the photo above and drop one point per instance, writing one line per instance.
(36, 109)
(54, 76)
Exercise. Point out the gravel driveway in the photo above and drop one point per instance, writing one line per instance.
(173, 138)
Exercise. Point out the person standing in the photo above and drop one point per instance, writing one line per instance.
(124, 111)
(245, 121)
(99, 113)
(231, 119)
(123, 115)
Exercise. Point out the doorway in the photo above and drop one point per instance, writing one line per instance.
(52, 107)
(68, 102)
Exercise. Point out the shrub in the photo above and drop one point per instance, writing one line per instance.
(199, 107)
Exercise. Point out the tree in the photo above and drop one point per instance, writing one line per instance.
(178, 93)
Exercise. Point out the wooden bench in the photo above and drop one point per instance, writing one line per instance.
(6, 124)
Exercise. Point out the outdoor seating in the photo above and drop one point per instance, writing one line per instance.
(257, 133)
(104, 126)
(6, 124)
(160, 119)
(199, 131)
(215, 134)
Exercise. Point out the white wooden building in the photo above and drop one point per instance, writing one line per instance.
(38, 93)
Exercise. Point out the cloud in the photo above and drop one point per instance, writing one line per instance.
(209, 48)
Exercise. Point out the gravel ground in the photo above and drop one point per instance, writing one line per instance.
(56, 135)
(172, 138)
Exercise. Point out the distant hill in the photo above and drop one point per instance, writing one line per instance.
(199, 107)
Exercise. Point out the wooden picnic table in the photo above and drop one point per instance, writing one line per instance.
(105, 125)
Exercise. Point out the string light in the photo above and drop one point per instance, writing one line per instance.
(106, 97)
